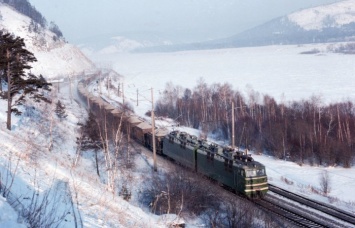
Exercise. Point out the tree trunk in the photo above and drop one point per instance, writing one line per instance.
(9, 99)
(97, 163)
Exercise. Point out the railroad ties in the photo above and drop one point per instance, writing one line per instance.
(304, 212)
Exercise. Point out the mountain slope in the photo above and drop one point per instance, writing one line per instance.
(322, 17)
(328, 23)
(55, 57)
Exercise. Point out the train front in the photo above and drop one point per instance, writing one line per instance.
(255, 179)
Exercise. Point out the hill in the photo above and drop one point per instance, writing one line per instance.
(327, 23)
(56, 58)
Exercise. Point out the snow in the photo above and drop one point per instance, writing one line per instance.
(334, 15)
(8, 217)
(279, 71)
(121, 44)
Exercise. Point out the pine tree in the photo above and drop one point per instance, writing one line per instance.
(90, 138)
(60, 110)
(14, 65)
(53, 27)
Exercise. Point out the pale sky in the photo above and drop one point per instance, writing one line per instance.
(177, 20)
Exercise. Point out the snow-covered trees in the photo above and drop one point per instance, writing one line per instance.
(24, 7)
(60, 110)
(53, 27)
(15, 62)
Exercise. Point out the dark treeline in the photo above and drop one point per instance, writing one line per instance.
(24, 7)
(303, 131)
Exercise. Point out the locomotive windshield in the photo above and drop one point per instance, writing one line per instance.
(255, 172)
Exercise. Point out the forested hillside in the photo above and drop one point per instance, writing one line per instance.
(25, 8)
(305, 131)
(55, 56)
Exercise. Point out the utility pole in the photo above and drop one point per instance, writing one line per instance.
(153, 134)
(122, 93)
(100, 80)
(88, 101)
(71, 95)
(108, 87)
(137, 97)
(233, 135)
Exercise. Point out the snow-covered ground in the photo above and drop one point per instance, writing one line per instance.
(74, 191)
(280, 71)
(37, 155)
(8, 216)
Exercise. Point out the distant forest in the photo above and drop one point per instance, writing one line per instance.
(24, 7)
(305, 131)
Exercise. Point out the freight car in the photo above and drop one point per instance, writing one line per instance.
(229, 167)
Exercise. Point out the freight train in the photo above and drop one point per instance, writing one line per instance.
(231, 168)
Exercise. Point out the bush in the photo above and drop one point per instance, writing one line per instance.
(178, 192)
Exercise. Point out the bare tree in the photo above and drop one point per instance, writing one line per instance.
(177, 192)
(8, 180)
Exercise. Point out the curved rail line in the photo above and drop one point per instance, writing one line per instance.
(319, 206)
(288, 213)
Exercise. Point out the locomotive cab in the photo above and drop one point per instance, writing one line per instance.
(255, 184)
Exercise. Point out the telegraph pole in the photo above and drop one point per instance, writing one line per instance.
(71, 95)
(153, 133)
(122, 93)
(100, 80)
(108, 86)
(233, 135)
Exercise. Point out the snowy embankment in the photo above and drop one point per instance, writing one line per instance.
(76, 194)
(38, 154)
(8, 217)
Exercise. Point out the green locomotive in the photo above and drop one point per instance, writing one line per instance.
(229, 167)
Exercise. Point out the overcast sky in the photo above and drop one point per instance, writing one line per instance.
(182, 20)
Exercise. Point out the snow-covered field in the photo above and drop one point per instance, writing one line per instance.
(279, 71)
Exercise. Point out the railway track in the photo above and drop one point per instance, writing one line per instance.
(304, 212)
(285, 211)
